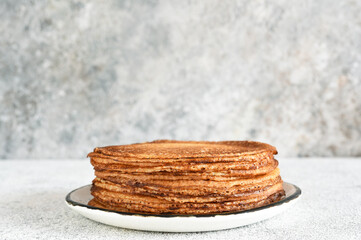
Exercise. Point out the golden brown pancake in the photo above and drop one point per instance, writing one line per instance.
(185, 177)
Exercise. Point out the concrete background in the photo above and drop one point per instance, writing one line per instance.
(79, 74)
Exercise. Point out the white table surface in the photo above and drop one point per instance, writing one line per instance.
(32, 203)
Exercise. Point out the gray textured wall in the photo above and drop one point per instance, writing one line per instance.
(80, 74)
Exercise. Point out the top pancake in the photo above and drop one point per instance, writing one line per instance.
(172, 149)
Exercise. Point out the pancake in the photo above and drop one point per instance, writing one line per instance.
(185, 177)
(171, 149)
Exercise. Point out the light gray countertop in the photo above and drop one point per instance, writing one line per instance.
(32, 203)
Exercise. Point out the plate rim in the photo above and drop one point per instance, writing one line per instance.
(293, 196)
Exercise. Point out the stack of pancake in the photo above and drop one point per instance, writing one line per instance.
(185, 177)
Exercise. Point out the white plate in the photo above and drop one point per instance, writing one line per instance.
(79, 198)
